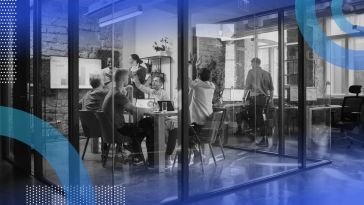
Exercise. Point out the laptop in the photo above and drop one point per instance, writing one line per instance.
(170, 106)
(145, 103)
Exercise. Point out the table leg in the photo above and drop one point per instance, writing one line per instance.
(95, 145)
(309, 127)
(159, 143)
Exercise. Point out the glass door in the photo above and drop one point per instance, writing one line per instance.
(248, 62)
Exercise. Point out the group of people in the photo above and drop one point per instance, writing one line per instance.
(111, 95)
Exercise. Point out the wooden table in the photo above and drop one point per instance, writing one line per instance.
(160, 137)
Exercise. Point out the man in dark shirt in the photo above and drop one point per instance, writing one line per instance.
(93, 99)
(118, 97)
(258, 91)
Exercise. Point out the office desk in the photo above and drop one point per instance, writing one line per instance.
(310, 111)
(231, 110)
(160, 137)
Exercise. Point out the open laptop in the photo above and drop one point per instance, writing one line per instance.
(145, 103)
(170, 106)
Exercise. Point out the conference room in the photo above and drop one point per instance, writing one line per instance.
(180, 99)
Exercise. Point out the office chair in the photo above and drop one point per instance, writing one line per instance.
(208, 135)
(211, 132)
(90, 126)
(351, 115)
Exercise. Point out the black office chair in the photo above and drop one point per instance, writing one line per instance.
(90, 126)
(351, 115)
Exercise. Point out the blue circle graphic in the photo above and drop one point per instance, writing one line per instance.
(341, 20)
(55, 148)
(320, 43)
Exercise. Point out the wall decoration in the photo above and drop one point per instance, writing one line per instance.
(59, 72)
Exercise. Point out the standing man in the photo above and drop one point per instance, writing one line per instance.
(107, 73)
(259, 92)
(140, 72)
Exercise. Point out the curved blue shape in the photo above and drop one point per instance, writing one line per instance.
(341, 20)
(320, 43)
(55, 149)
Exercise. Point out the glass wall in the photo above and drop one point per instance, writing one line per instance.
(252, 85)
(129, 49)
(54, 79)
(248, 71)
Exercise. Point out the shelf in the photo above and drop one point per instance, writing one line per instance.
(156, 57)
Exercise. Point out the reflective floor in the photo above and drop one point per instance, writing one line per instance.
(238, 167)
(342, 182)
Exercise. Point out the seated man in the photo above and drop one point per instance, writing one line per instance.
(200, 97)
(122, 104)
(156, 91)
(93, 99)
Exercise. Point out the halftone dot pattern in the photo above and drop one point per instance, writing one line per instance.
(45, 195)
(8, 12)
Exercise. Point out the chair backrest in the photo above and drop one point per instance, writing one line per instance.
(352, 105)
(106, 128)
(212, 127)
(90, 124)
(355, 89)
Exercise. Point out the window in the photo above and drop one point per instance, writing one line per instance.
(340, 79)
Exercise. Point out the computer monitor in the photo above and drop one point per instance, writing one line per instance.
(170, 106)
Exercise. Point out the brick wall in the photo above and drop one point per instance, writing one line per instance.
(213, 52)
(55, 43)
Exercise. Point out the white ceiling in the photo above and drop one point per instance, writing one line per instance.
(202, 11)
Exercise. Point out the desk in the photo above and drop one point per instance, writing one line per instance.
(159, 137)
(310, 110)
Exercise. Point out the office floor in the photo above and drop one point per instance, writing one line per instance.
(339, 183)
(12, 185)
(149, 187)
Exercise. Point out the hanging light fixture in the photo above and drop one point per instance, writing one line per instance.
(120, 16)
